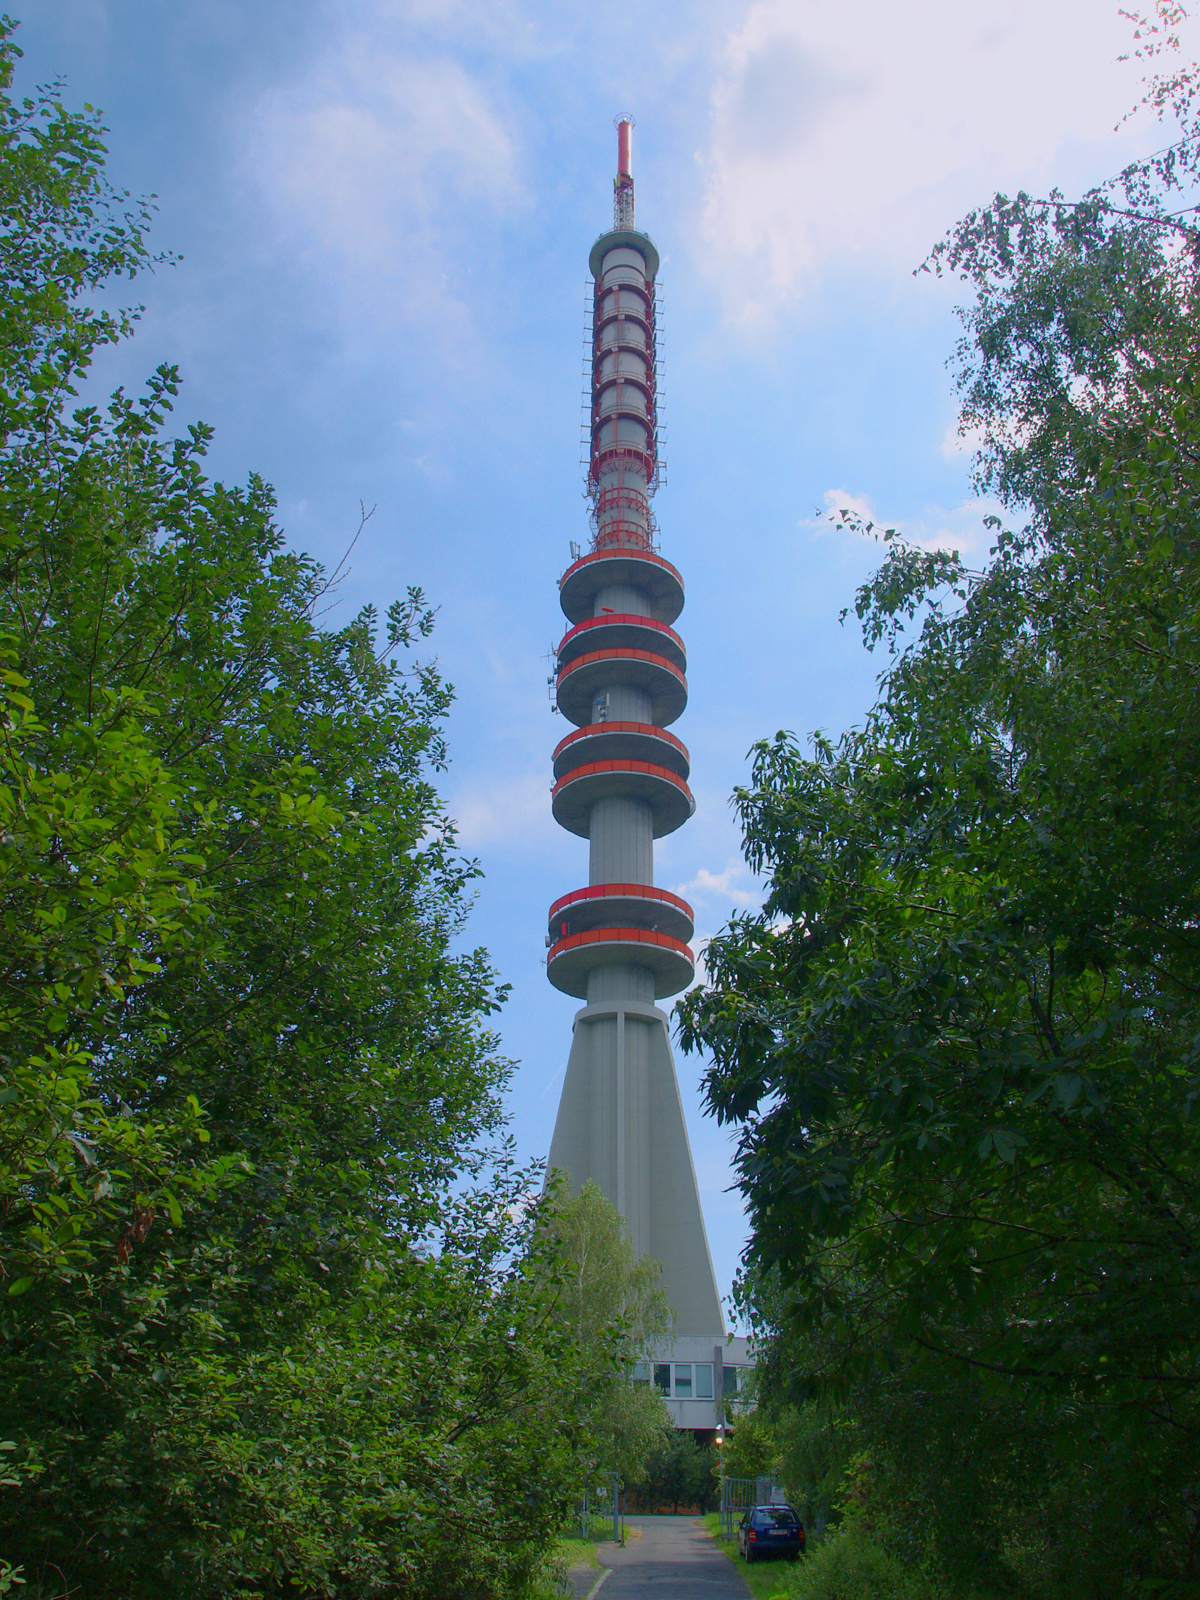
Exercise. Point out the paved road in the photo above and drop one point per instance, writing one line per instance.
(673, 1560)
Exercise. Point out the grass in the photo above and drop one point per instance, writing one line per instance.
(765, 1579)
(576, 1553)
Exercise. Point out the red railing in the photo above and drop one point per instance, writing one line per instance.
(622, 655)
(593, 768)
(627, 619)
(635, 553)
(592, 729)
(627, 891)
(573, 941)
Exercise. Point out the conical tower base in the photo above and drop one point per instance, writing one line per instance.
(620, 1126)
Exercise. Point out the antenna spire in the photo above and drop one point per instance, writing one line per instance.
(623, 182)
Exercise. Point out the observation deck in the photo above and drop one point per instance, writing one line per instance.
(629, 567)
(668, 797)
(571, 961)
(626, 631)
(621, 741)
(630, 905)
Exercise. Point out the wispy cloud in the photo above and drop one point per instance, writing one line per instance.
(959, 441)
(377, 162)
(511, 812)
(863, 130)
(962, 527)
(735, 884)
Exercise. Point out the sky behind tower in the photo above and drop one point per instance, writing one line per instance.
(384, 210)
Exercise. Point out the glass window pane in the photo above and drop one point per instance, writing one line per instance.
(641, 1372)
(683, 1381)
(729, 1380)
(704, 1381)
(662, 1376)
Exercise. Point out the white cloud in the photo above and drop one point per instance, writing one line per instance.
(725, 886)
(961, 527)
(958, 441)
(502, 812)
(865, 129)
(376, 163)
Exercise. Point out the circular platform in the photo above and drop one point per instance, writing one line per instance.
(622, 630)
(589, 675)
(640, 569)
(636, 240)
(573, 797)
(569, 961)
(621, 905)
(621, 741)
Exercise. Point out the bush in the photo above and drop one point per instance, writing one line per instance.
(849, 1564)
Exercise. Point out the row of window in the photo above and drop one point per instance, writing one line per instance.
(686, 1380)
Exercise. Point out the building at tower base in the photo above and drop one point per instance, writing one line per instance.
(621, 943)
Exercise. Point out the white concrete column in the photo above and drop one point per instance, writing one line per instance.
(622, 598)
(621, 847)
(617, 983)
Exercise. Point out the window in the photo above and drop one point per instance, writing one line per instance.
(641, 1372)
(729, 1385)
(704, 1380)
(683, 1380)
(662, 1376)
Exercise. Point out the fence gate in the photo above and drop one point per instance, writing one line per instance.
(737, 1495)
(602, 1500)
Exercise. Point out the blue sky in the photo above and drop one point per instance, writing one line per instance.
(384, 210)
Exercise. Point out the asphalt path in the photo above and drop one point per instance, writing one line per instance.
(673, 1560)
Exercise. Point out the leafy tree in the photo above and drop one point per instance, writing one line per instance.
(275, 1319)
(750, 1446)
(680, 1471)
(961, 1037)
(610, 1304)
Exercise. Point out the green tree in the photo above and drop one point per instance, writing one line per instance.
(680, 1471)
(750, 1446)
(610, 1303)
(276, 1319)
(961, 1037)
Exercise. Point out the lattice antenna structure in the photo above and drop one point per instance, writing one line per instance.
(623, 182)
(620, 782)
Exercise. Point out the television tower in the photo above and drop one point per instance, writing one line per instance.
(620, 783)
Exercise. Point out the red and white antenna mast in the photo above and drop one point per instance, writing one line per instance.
(623, 182)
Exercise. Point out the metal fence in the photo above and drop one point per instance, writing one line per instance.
(739, 1494)
(600, 1509)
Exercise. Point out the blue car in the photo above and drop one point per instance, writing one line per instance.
(770, 1530)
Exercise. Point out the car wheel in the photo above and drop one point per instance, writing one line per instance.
(750, 1554)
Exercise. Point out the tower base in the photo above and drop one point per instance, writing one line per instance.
(620, 1126)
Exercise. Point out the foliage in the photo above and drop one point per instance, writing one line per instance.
(680, 1471)
(609, 1303)
(750, 1446)
(850, 1564)
(962, 1038)
(276, 1318)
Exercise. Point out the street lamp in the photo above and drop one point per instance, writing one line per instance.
(719, 1440)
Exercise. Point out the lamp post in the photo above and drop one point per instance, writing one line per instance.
(719, 1440)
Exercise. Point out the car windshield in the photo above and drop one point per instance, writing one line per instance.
(781, 1516)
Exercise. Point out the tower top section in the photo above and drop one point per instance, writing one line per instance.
(624, 228)
(623, 182)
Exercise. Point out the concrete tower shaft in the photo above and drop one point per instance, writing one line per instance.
(621, 782)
